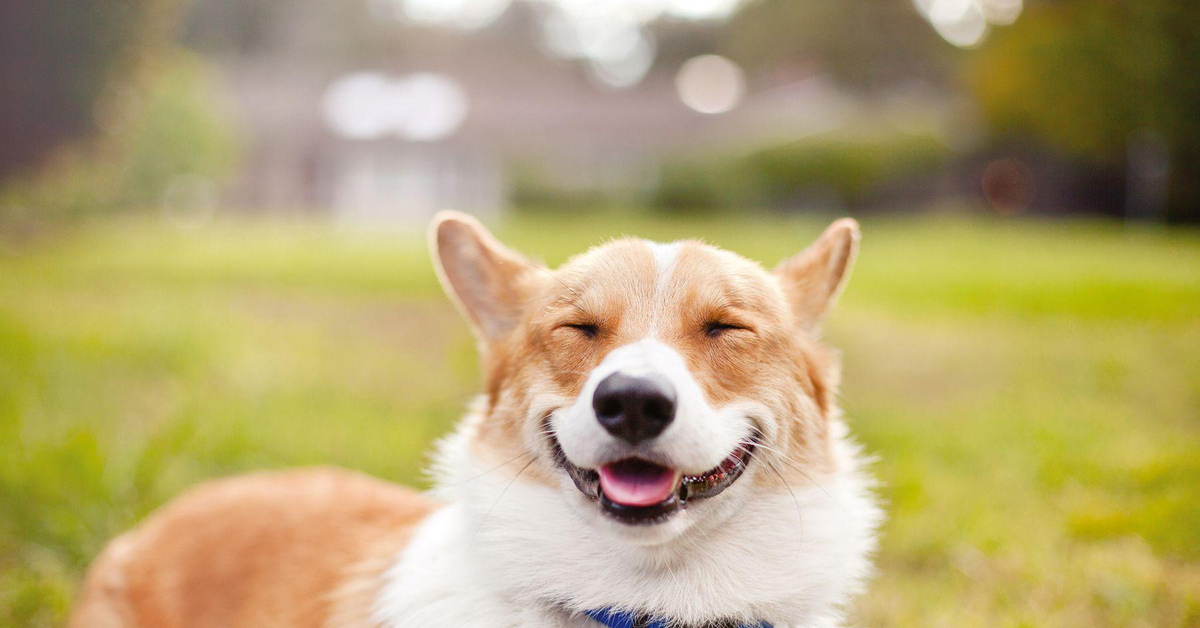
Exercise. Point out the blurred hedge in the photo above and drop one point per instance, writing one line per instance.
(831, 170)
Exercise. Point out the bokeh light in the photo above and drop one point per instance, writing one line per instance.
(710, 84)
(966, 23)
(433, 106)
(610, 38)
(421, 107)
(1007, 185)
(625, 70)
(464, 14)
(960, 22)
(357, 106)
(702, 9)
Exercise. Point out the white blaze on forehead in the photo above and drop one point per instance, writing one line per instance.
(664, 265)
(698, 439)
(664, 260)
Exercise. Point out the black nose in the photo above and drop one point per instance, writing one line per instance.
(634, 409)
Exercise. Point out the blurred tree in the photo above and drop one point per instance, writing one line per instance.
(102, 111)
(866, 44)
(181, 132)
(1116, 82)
(58, 59)
(166, 132)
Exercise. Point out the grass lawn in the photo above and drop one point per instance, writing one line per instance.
(1031, 390)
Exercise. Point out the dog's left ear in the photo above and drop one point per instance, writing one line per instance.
(488, 282)
(813, 278)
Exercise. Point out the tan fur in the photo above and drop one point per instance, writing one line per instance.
(617, 288)
(300, 549)
(307, 549)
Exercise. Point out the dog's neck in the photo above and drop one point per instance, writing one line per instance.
(791, 558)
(617, 619)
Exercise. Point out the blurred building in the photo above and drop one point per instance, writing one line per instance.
(528, 119)
(523, 110)
(377, 111)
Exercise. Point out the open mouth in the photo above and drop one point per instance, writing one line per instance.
(638, 491)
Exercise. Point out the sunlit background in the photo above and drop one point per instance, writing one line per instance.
(379, 112)
(212, 261)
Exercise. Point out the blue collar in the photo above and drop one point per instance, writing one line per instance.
(619, 619)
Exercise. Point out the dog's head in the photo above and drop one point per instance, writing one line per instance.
(653, 386)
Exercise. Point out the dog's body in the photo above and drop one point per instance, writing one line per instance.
(658, 436)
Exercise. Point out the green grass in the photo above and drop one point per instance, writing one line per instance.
(1032, 393)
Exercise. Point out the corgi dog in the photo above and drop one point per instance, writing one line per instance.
(657, 445)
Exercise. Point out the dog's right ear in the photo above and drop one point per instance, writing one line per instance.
(813, 278)
(488, 282)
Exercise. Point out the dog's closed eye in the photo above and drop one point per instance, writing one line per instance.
(716, 329)
(588, 330)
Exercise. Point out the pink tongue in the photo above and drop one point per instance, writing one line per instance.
(632, 483)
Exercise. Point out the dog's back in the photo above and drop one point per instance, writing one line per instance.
(301, 548)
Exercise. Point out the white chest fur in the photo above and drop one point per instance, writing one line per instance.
(438, 581)
(506, 554)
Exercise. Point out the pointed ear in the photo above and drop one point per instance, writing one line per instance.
(489, 283)
(813, 278)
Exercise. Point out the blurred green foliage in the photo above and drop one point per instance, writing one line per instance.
(1092, 77)
(830, 169)
(701, 184)
(854, 168)
(532, 189)
(1030, 391)
(169, 126)
(59, 61)
(866, 44)
(183, 132)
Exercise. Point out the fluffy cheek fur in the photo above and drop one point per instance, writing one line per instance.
(524, 385)
(789, 542)
(787, 394)
(773, 366)
(787, 401)
(792, 555)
